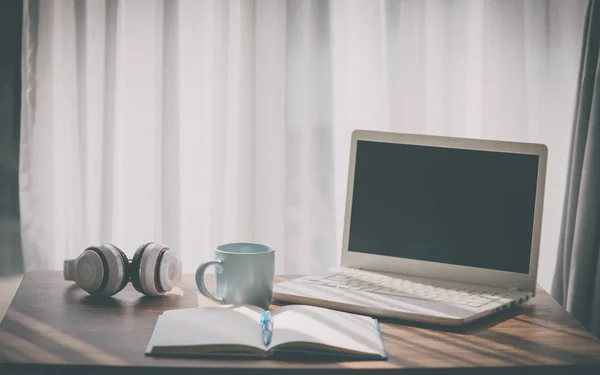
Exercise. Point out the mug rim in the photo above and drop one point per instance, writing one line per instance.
(270, 248)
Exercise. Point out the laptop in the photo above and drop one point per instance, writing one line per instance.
(437, 229)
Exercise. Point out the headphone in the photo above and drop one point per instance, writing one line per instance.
(104, 270)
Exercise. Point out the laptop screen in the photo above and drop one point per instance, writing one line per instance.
(454, 206)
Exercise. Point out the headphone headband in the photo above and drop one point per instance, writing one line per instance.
(69, 269)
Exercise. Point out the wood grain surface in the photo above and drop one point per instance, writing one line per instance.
(53, 326)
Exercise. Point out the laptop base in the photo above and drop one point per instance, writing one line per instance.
(354, 297)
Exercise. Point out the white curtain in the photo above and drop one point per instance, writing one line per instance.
(195, 123)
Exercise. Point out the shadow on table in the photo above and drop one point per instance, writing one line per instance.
(75, 295)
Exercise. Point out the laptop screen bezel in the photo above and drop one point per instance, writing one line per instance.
(451, 272)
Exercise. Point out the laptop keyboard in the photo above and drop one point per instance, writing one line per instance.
(392, 286)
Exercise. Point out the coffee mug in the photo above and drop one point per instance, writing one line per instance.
(244, 274)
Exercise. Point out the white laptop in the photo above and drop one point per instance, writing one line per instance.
(439, 230)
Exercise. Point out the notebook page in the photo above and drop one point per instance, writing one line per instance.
(316, 325)
(208, 326)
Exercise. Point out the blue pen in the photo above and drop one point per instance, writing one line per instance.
(267, 327)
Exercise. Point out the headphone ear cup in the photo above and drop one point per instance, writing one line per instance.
(125, 269)
(101, 270)
(134, 270)
(155, 269)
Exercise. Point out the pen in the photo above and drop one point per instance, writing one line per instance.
(267, 327)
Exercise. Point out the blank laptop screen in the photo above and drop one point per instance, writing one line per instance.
(463, 207)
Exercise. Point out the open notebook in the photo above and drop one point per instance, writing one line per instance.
(237, 331)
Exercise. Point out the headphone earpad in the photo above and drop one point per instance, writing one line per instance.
(134, 271)
(125, 268)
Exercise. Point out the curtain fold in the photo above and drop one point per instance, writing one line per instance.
(577, 278)
(195, 123)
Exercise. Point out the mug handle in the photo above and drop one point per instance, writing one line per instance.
(200, 278)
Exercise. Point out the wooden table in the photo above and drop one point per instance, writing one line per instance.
(53, 326)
